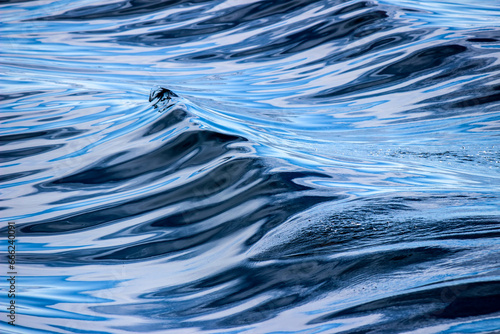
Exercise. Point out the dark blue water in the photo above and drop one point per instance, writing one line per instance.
(251, 166)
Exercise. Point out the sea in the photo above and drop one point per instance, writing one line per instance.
(250, 166)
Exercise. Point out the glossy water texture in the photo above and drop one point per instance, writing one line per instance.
(307, 167)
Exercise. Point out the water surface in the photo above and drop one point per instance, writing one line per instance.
(252, 166)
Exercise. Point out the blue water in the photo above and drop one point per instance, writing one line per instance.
(251, 166)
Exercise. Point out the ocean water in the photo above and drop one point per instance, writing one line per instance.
(233, 166)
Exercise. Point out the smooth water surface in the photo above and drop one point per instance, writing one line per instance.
(252, 166)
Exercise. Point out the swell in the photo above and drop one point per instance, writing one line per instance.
(219, 175)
